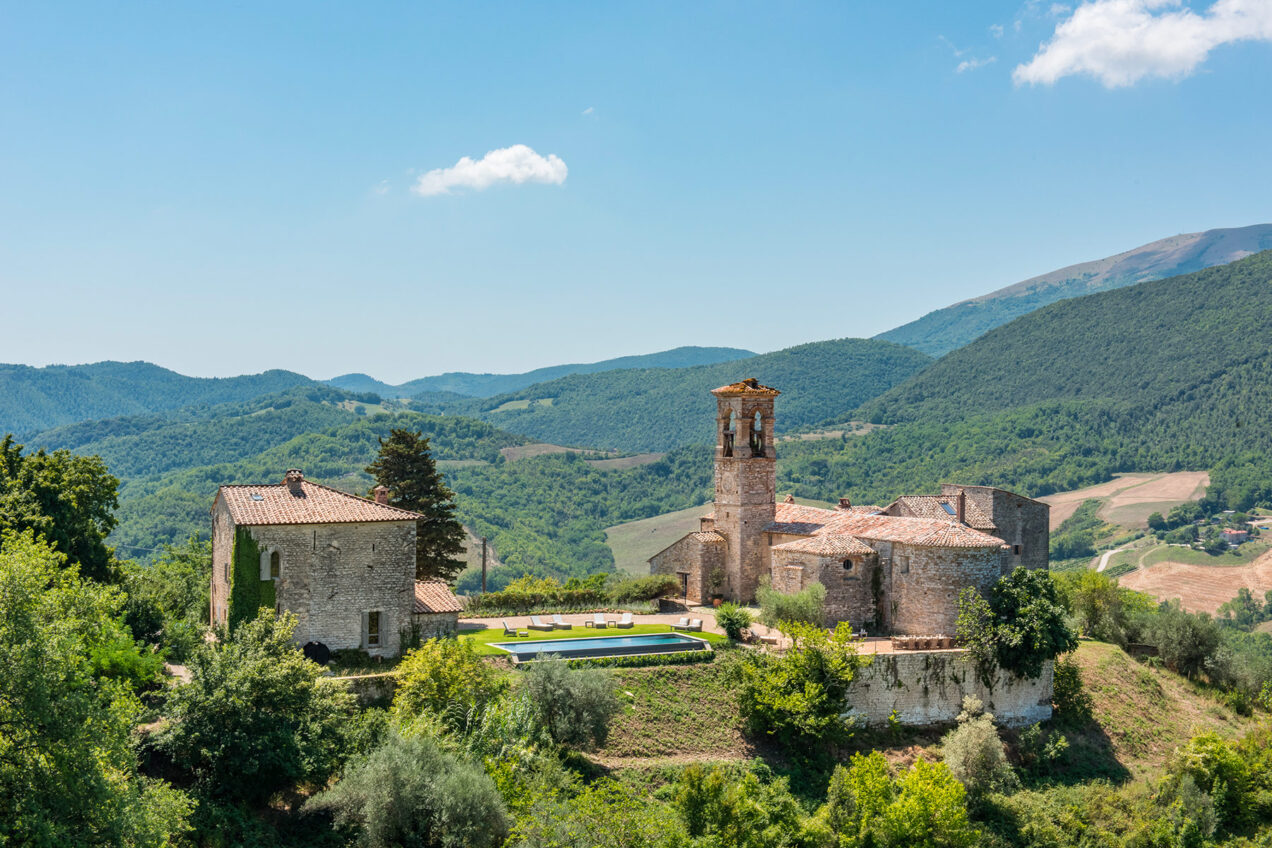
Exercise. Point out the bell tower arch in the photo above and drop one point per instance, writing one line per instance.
(745, 481)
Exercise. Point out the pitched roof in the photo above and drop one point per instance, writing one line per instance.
(711, 537)
(827, 545)
(934, 506)
(926, 532)
(749, 386)
(315, 504)
(433, 596)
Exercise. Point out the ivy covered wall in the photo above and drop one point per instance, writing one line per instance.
(248, 592)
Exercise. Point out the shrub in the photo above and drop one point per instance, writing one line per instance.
(410, 792)
(1018, 627)
(974, 753)
(644, 588)
(574, 706)
(1040, 749)
(807, 605)
(1184, 641)
(257, 716)
(714, 802)
(1070, 697)
(446, 678)
(733, 619)
(644, 660)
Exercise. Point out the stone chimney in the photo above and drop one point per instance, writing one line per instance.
(381, 494)
(845, 503)
(293, 480)
(706, 523)
(788, 499)
(960, 508)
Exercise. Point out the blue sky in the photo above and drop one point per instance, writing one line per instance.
(224, 189)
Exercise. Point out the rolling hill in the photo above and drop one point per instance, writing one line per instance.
(33, 399)
(1162, 376)
(488, 385)
(662, 409)
(939, 332)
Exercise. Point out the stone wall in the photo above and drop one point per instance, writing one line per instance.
(1022, 523)
(925, 584)
(746, 502)
(332, 575)
(435, 625)
(927, 687)
(849, 591)
(222, 562)
(692, 557)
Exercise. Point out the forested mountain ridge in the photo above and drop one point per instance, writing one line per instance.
(943, 330)
(1161, 376)
(488, 385)
(33, 399)
(662, 409)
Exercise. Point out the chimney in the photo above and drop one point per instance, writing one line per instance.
(381, 494)
(789, 499)
(960, 508)
(706, 523)
(845, 503)
(293, 480)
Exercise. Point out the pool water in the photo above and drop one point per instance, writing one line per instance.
(604, 646)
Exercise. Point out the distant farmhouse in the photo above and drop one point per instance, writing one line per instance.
(896, 569)
(344, 565)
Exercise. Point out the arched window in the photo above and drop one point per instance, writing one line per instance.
(730, 429)
(757, 434)
(275, 565)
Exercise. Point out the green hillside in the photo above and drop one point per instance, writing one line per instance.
(943, 330)
(487, 385)
(1163, 376)
(662, 409)
(34, 399)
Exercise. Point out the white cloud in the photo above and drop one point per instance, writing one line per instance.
(996, 30)
(589, 110)
(517, 164)
(974, 63)
(382, 187)
(1119, 42)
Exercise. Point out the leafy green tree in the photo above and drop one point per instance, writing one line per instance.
(168, 598)
(733, 619)
(715, 803)
(256, 716)
(69, 500)
(411, 792)
(1018, 627)
(606, 814)
(800, 698)
(445, 678)
(807, 605)
(1184, 641)
(974, 753)
(1100, 607)
(407, 468)
(574, 706)
(68, 771)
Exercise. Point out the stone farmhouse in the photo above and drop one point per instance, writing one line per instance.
(344, 565)
(896, 569)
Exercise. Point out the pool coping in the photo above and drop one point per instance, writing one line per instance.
(516, 660)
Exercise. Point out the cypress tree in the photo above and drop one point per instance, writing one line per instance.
(406, 467)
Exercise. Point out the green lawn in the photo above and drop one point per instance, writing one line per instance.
(481, 639)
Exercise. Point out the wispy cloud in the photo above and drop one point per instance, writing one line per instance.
(974, 63)
(589, 110)
(996, 30)
(382, 187)
(516, 165)
(1120, 42)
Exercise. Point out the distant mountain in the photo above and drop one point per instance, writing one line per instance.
(488, 385)
(1162, 376)
(34, 399)
(939, 332)
(659, 409)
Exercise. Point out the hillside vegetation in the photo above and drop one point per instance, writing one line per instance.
(1167, 375)
(33, 399)
(487, 385)
(943, 330)
(662, 409)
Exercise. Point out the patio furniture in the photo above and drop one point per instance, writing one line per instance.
(560, 623)
(537, 624)
(598, 620)
(508, 631)
(625, 621)
(696, 625)
(682, 624)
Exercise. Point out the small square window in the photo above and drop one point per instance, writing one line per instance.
(1015, 549)
(904, 562)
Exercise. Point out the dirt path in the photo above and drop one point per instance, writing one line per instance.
(1104, 560)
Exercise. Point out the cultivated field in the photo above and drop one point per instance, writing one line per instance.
(624, 462)
(517, 452)
(1130, 498)
(1201, 588)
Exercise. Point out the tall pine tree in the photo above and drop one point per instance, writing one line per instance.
(406, 467)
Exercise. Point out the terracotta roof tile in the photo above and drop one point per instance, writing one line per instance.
(927, 532)
(827, 545)
(749, 386)
(316, 504)
(933, 506)
(708, 536)
(434, 596)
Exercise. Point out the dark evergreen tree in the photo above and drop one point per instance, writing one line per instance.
(406, 467)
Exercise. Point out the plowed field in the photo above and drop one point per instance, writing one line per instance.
(1201, 588)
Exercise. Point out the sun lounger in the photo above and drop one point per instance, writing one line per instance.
(696, 625)
(598, 620)
(682, 624)
(561, 624)
(509, 631)
(625, 621)
(537, 624)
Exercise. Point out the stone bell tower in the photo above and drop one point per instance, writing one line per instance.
(745, 481)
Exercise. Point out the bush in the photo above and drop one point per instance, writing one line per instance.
(645, 660)
(1183, 640)
(716, 803)
(446, 678)
(256, 716)
(410, 792)
(807, 606)
(733, 619)
(574, 706)
(1071, 700)
(974, 753)
(1018, 628)
(644, 588)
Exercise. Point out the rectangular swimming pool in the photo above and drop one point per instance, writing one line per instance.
(604, 646)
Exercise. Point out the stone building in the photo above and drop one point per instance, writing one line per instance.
(344, 565)
(894, 569)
